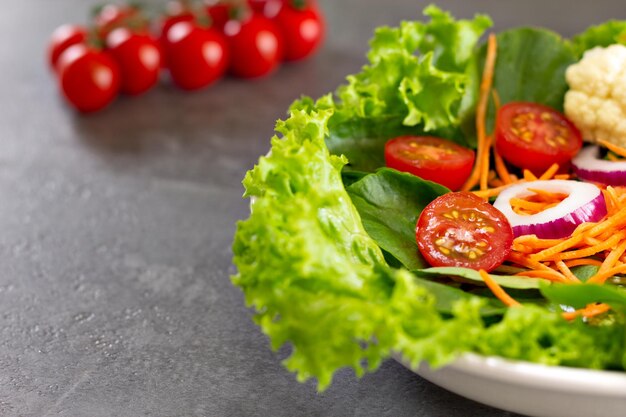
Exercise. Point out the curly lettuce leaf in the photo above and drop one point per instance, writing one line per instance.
(413, 84)
(530, 66)
(309, 268)
(605, 34)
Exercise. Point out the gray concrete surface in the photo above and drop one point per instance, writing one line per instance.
(115, 233)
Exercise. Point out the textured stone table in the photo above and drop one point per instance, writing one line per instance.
(115, 297)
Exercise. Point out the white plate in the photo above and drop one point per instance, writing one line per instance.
(532, 389)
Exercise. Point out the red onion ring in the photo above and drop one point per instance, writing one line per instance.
(584, 203)
(588, 166)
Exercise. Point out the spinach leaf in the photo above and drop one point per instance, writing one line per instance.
(389, 203)
(578, 296)
(446, 297)
(471, 275)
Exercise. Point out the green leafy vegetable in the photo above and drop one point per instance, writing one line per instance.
(471, 275)
(608, 33)
(578, 296)
(389, 203)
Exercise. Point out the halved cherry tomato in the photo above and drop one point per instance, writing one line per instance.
(533, 136)
(431, 158)
(139, 59)
(62, 38)
(461, 229)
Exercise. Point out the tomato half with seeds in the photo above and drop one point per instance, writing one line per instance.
(431, 158)
(460, 229)
(533, 136)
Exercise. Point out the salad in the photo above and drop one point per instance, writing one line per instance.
(343, 257)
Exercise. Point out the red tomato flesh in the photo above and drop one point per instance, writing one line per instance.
(430, 158)
(460, 229)
(533, 136)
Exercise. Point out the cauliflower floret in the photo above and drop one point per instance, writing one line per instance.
(596, 101)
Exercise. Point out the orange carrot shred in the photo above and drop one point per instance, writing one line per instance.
(618, 150)
(600, 277)
(529, 176)
(549, 173)
(550, 275)
(566, 271)
(481, 113)
(589, 311)
(497, 290)
(583, 261)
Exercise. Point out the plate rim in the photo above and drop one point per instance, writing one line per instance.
(601, 383)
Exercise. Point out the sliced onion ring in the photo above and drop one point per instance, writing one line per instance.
(584, 203)
(589, 167)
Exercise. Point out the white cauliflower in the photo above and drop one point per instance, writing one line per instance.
(596, 101)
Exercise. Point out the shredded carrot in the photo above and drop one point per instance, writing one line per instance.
(618, 150)
(591, 250)
(526, 262)
(612, 223)
(484, 173)
(550, 172)
(529, 176)
(613, 257)
(481, 114)
(497, 290)
(550, 275)
(589, 311)
(583, 261)
(600, 277)
(566, 271)
(492, 192)
(562, 177)
(558, 248)
(501, 169)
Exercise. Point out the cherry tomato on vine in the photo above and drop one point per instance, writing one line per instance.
(463, 230)
(219, 12)
(534, 136)
(431, 158)
(302, 26)
(89, 79)
(268, 8)
(62, 38)
(176, 11)
(257, 46)
(138, 57)
(112, 16)
(197, 56)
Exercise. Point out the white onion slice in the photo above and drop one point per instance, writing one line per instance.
(589, 167)
(584, 203)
